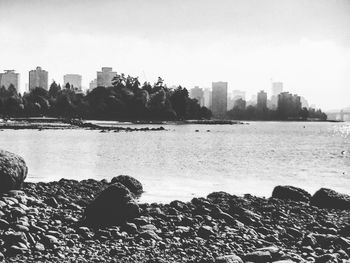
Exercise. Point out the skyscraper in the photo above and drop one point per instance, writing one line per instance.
(219, 99)
(92, 84)
(198, 94)
(74, 81)
(207, 98)
(105, 77)
(9, 77)
(261, 100)
(277, 88)
(38, 78)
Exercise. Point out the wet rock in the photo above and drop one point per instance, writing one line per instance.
(205, 232)
(150, 234)
(52, 202)
(113, 206)
(13, 171)
(290, 193)
(229, 259)
(327, 198)
(258, 257)
(131, 183)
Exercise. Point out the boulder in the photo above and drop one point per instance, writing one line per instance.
(288, 192)
(131, 183)
(327, 198)
(229, 259)
(13, 171)
(113, 206)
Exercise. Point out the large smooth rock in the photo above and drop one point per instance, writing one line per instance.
(229, 259)
(288, 192)
(13, 171)
(113, 206)
(327, 198)
(131, 183)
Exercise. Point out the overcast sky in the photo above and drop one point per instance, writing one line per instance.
(303, 43)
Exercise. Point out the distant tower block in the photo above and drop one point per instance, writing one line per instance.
(219, 99)
(38, 78)
(8, 78)
(74, 80)
(105, 77)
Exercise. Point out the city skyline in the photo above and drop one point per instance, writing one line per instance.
(244, 43)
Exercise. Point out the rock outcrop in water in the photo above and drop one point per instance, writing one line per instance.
(290, 193)
(13, 171)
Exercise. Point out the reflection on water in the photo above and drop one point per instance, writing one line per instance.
(180, 163)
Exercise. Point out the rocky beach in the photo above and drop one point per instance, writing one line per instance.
(103, 221)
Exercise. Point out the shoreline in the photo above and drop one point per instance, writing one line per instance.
(44, 220)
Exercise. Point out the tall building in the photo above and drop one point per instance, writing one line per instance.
(277, 88)
(105, 77)
(235, 95)
(207, 98)
(289, 105)
(38, 78)
(92, 84)
(74, 81)
(198, 94)
(238, 94)
(261, 100)
(219, 99)
(9, 77)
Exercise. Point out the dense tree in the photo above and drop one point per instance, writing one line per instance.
(125, 99)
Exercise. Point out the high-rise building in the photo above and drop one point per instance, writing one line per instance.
(8, 78)
(219, 99)
(92, 84)
(38, 78)
(207, 98)
(277, 88)
(74, 81)
(198, 94)
(105, 77)
(289, 105)
(261, 100)
(238, 94)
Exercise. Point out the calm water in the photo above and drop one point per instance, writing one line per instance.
(180, 163)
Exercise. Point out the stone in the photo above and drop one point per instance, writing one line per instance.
(205, 232)
(131, 183)
(229, 259)
(113, 206)
(51, 202)
(150, 234)
(288, 192)
(258, 257)
(13, 171)
(327, 198)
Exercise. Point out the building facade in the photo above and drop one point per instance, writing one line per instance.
(92, 84)
(276, 88)
(74, 81)
(207, 98)
(198, 94)
(219, 99)
(105, 77)
(261, 103)
(38, 78)
(8, 78)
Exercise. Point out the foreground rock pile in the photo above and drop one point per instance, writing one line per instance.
(101, 221)
(46, 222)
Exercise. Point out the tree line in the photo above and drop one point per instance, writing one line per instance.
(125, 99)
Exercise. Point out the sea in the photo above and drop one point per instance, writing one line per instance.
(192, 160)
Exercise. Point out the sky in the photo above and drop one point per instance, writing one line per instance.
(249, 43)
